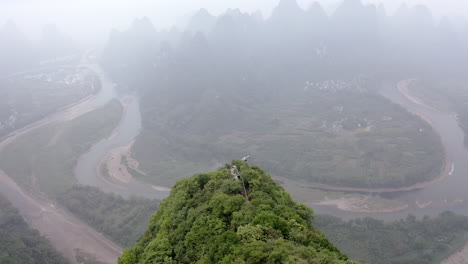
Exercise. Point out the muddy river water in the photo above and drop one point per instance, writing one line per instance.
(127, 130)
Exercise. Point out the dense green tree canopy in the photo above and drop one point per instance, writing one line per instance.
(122, 220)
(207, 219)
(406, 241)
(20, 244)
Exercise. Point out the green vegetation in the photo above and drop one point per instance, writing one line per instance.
(345, 136)
(84, 258)
(124, 221)
(20, 244)
(207, 219)
(449, 95)
(45, 158)
(409, 241)
(30, 97)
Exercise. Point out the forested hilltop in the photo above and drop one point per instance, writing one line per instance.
(209, 218)
(20, 244)
(218, 217)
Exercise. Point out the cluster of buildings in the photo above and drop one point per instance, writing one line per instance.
(62, 76)
(332, 86)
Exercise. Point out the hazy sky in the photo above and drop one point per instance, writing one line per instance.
(91, 18)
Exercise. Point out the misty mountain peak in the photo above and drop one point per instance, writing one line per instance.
(403, 8)
(354, 12)
(402, 12)
(11, 34)
(350, 8)
(288, 5)
(10, 27)
(352, 4)
(144, 22)
(445, 26)
(316, 10)
(445, 22)
(202, 15)
(50, 30)
(422, 11)
(232, 19)
(381, 10)
(421, 16)
(143, 27)
(51, 33)
(257, 15)
(234, 12)
(202, 21)
(287, 9)
(10, 23)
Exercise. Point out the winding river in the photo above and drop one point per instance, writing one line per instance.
(126, 132)
(448, 194)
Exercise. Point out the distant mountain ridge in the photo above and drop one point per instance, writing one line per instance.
(355, 39)
(15, 49)
(18, 53)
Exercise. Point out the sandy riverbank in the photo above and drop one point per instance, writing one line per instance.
(362, 205)
(116, 165)
(460, 257)
(113, 164)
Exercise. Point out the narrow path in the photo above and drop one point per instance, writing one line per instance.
(234, 173)
(460, 257)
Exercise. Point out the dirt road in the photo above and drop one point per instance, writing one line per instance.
(67, 233)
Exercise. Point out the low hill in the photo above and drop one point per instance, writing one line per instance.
(218, 218)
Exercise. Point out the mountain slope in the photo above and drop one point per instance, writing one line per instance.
(15, 49)
(208, 219)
